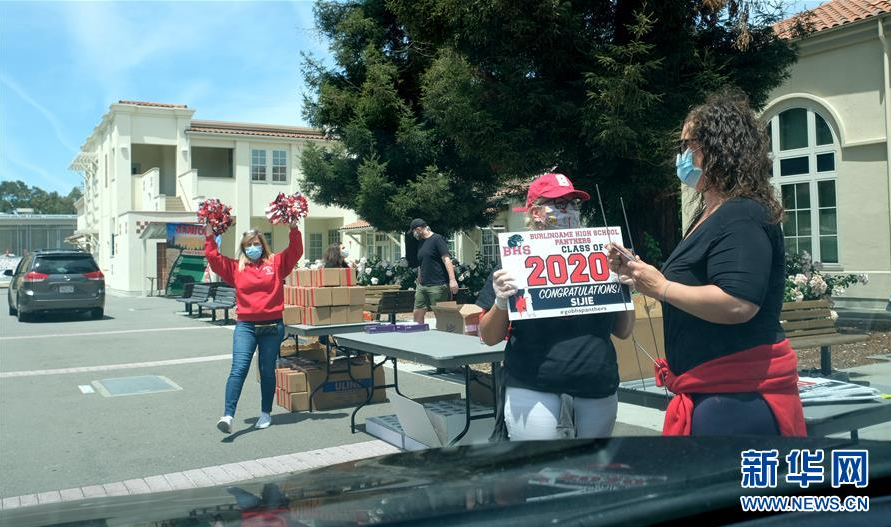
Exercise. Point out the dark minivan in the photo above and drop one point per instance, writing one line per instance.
(56, 280)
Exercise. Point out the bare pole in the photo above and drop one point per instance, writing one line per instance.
(610, 240)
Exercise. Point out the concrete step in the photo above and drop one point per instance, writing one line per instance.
(173, 203)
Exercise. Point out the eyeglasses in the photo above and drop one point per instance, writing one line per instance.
(684, 144)
(251, 232)
(563, 203)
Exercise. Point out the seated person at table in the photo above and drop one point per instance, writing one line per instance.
(552, 361)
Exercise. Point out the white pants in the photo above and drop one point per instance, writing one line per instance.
(531, 415)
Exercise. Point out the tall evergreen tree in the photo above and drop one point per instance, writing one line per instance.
(436, 105)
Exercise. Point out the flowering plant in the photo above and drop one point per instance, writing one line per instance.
(805, 280)
(383, 272)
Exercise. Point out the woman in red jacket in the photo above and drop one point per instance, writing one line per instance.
(258, 276)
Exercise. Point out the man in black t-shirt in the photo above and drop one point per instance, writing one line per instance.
(436, 275)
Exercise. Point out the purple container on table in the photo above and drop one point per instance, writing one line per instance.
(380, 328)
(411, 328)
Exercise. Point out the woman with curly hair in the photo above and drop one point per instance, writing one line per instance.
(721, 289)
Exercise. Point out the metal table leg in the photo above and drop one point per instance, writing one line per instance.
(327, 371)
(370, 391)
(468, 378)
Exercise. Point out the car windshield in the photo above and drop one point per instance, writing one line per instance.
(64, 264)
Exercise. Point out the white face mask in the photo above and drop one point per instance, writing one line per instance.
(344, 253)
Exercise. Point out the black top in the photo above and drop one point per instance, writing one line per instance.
(571, 355)
(430, 253)
(740, 251)
(341, 265)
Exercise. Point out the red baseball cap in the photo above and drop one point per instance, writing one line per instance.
(552, 186)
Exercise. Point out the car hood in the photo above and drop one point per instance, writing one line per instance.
(634, 480)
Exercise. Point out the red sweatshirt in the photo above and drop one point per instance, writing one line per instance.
(259, 290)
(771, 370)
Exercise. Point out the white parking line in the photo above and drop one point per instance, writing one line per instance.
(94, 333)
(87, 369)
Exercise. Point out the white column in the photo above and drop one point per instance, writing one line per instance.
(242, 207)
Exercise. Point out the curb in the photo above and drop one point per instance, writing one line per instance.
(210, 476)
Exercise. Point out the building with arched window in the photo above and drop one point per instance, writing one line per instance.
(829, 128)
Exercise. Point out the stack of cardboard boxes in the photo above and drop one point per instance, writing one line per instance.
(297, 377)
(321, 297)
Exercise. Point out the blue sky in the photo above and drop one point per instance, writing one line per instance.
(63, 63)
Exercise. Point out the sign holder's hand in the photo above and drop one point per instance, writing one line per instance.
(505, 287)
(619, 263)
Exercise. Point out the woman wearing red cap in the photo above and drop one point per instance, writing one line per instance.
(554, 367)
(722, 288)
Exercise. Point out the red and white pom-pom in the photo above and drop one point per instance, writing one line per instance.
(286, 210)
(212, 212)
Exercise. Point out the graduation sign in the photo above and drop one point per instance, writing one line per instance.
(562, 273)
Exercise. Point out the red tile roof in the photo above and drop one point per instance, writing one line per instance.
(361, 224)
(154, 104)
(833, 14)
(288, 132)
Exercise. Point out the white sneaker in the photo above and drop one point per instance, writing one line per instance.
(225, 424)
(263, 421)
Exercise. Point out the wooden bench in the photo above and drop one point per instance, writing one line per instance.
(223, 298)
(187, 291)
(809, 324)
(373, 294)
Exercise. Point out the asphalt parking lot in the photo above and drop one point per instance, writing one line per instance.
(54, 436)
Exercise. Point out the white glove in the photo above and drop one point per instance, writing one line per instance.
(505, 287)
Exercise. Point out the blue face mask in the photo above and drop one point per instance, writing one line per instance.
(687, 172)
(254, 252)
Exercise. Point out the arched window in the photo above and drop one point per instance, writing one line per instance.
(804, 159)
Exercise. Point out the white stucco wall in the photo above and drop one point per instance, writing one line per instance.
(840, 75)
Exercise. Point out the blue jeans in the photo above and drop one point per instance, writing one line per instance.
(248, 337)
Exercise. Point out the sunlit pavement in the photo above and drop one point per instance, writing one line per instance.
(54, 437)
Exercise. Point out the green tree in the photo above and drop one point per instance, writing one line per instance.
(17, 195)
(437, 104)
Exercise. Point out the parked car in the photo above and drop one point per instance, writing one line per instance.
(56, 280)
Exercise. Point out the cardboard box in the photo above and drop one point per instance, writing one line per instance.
(340, 296)
(452, 317)
(292, 315)
(348, 277)
(288, 348)
(319, 296)
(293, 402)
(356, 315)
(340, 314)
(325, 277)
(357, 296)
(340, 391)
(291, 381)
(304, 277)
(631, 360)
(317, 316)
(314, 354)
(436, 421)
